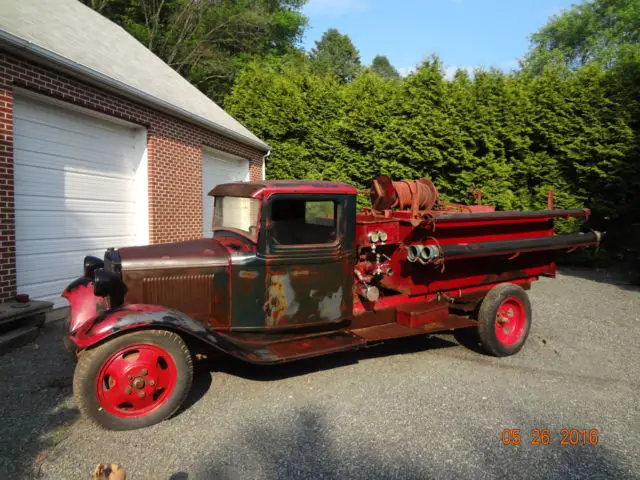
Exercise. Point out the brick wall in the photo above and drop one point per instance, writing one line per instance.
(174, 151)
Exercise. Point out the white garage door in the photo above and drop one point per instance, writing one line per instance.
(217, 168)
(80, 187)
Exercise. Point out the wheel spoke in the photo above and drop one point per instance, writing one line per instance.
(118, 370)
(163, 377)
(115, 395)
(139, 402)
(147, 358)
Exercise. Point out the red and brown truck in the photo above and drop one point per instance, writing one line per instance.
(293, 270)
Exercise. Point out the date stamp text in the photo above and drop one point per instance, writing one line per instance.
(545, 436)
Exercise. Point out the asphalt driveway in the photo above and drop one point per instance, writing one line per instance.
(414, 408)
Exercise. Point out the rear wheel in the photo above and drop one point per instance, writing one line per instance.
(134, 380)
(505, 320)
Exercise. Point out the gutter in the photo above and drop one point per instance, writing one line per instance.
(23, 45)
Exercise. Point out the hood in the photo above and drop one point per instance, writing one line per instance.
(192, 253)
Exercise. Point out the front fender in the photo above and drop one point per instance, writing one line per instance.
(136, 316)
(84, 305)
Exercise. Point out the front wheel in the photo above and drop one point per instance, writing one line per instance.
(134, 380)
(505, 320)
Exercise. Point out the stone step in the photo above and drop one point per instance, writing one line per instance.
(13, 323)
(17, 338)
(15, 315)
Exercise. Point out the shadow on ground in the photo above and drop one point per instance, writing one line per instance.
(305, 450)
(400, 346)
(232, 366)
(620, 277)
(36, 404)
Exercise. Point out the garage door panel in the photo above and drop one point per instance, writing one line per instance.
(37, 153)
(33, 270)
(68, 122)
(45, 203)
(73, 184)
(75, 192)
(33, 224)
(81, 245)
(53, 136)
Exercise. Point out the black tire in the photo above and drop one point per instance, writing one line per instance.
(91, 364)
(495, 334)
(69, 346)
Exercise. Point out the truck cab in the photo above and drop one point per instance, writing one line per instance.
(292, 252)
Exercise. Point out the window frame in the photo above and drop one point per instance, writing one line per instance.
(318, 249)
(255, 237)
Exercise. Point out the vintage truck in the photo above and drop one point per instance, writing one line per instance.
(292, 271)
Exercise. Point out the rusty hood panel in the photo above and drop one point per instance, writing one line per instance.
(204, 252)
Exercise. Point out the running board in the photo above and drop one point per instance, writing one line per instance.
(387, 331)
(296, 349)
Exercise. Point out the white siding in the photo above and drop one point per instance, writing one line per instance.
(80, 187)
(217, 168)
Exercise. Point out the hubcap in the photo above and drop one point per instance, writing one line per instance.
(510, 321)
(136, 380)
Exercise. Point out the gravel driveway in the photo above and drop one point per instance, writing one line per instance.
(415, 408)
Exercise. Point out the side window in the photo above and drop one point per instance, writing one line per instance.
(300, 222)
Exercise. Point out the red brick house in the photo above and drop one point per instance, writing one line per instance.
(101, 144)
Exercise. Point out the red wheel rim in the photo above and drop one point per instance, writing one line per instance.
(510, 321)
(136, 380)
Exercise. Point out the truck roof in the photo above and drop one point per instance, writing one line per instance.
(270, 187)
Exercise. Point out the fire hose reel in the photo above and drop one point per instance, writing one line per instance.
(418, 195)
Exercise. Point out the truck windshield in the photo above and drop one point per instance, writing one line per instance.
(237, 213)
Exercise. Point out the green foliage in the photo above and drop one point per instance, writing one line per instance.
(209, 42)
(597, 30)
(382, 66)
(336, 55)
(295, 109)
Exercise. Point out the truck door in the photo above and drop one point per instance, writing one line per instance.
(309, 259)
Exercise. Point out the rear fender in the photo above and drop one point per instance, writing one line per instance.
(137, 316)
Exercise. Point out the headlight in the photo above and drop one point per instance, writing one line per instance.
(90, 265)
(382, 235)
(106, 283)
(373, 237)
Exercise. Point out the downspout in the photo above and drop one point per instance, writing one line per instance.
(264, 161)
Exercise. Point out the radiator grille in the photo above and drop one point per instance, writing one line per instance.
(185, 293)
